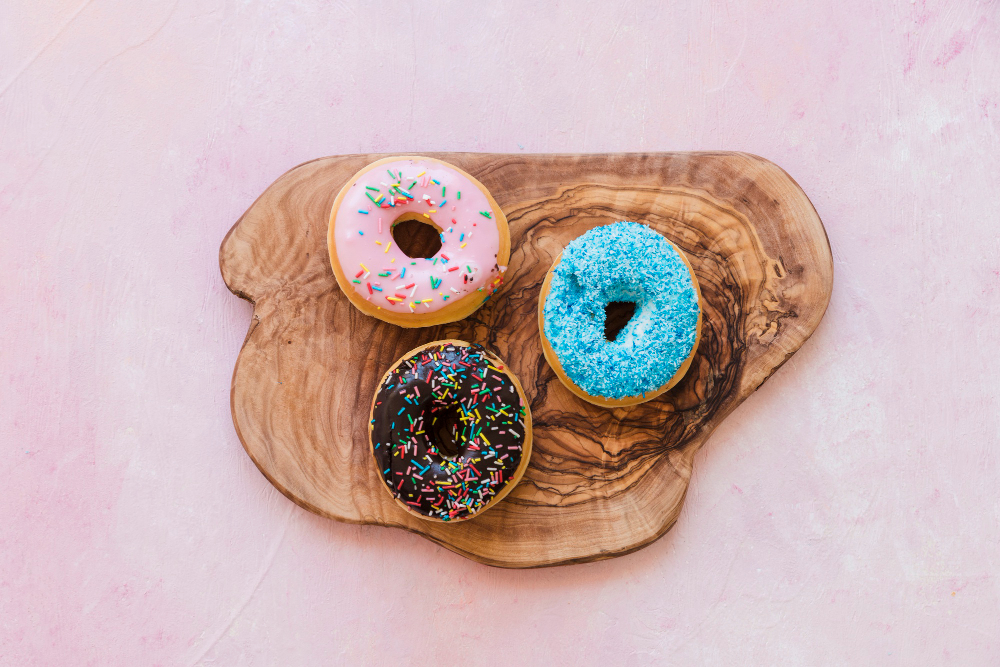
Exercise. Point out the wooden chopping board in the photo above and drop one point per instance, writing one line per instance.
(601, 483)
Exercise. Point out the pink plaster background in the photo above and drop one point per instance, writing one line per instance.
(848, 513)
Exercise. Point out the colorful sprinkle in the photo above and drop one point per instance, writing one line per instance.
(488, 432)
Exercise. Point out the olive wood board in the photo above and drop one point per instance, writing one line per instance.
(601, 482)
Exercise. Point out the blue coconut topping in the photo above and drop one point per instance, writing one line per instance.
(624, 261)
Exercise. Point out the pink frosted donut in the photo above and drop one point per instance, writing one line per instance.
(382, 280)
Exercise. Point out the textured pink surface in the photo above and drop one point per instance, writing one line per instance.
(847, 513)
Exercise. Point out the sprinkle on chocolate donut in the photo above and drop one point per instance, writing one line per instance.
(450, 430)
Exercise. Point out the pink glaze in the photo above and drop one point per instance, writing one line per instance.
(470, 240)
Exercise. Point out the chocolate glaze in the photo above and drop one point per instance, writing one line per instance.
(447, 430)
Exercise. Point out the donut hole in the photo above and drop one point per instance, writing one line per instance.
(617, 315)
(444, 434)
(416, 238)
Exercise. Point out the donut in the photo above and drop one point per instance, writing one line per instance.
(448, 284)
(620, 262)
(450, 430)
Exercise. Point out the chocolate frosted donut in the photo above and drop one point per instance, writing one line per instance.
(450, 430)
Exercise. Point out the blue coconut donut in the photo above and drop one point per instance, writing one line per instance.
(624, 261)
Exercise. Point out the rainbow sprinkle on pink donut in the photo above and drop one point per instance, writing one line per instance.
(377, 268)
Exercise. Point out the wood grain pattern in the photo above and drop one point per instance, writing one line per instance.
(601, 482)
